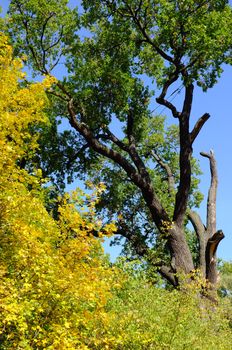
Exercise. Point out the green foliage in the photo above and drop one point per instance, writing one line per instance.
(109, 51)
(149, 317)
(225, 284)
(48, 31)
(196, 30)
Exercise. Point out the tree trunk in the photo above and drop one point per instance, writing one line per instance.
(208, 237)
(182, 261)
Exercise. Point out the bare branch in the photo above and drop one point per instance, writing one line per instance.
(200, 230)
(139, 162)
(161, 99)
(197, 223)
(116, 141)
(212, 194)
(198, 126)
(212, 238)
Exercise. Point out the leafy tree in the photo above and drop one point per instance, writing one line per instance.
(57, 289)
(54, 287)
(184, 42)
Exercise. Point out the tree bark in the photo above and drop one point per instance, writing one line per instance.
(182, 260)
(200, 230)
(212, 237)
(211, 259)
(208, 237)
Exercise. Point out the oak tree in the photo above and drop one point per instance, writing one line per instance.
(109, 47)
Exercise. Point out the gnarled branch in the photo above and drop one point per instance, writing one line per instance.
(212, 194)
(198, 126)
(158, 213)
(162, 100)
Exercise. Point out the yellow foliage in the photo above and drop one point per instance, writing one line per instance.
(19, 109)
(55, 282)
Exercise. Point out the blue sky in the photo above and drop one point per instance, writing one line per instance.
(216, 135)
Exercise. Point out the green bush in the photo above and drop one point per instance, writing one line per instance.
(151, 317)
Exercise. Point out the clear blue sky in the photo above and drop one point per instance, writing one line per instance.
(216, 135)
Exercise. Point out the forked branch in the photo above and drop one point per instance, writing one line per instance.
(212, 194)
(166, 167)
